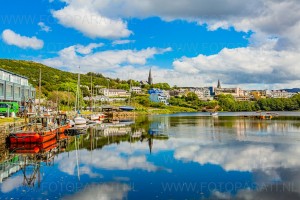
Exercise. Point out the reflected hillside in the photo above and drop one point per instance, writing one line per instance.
(101, 135)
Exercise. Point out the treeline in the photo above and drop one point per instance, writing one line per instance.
(228, 103)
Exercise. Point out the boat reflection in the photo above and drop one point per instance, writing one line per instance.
(27, 160)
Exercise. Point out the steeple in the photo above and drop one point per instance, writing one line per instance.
(150, 78)
(219, 84)
(150, 143)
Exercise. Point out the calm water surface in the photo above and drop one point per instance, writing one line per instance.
(182, 156)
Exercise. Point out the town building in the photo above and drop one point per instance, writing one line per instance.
(114, 92)
(178, 92)
(279, 94)
(159, 96)
(219, 85)
(150, 80)
(235, 92)
(203, 93)
(14, 87)
(257, 94)
(136, 90)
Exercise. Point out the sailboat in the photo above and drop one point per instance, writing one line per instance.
(78, 120)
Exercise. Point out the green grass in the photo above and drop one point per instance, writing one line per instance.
(7, 120)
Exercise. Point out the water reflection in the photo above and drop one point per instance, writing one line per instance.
(162, 157)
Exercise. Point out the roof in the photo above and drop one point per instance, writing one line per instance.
(13, 73)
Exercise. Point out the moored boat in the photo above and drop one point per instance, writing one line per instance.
(214, 114)
(32, 136)
(79, 120)
(40, 129)
(126, 108)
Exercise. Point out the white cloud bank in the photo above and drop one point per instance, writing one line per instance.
(12, 38)
(101, 61)
(271, 58)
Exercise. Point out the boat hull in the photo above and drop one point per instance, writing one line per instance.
(32, 147)
(32, 137)
(80, 121)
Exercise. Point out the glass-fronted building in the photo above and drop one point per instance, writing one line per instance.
(14, 87)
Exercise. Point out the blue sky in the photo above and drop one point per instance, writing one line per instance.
(191, 43)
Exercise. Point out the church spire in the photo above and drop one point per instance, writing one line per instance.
(219, 84)
(150, 78)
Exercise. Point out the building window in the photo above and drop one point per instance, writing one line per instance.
(9, 90)
(26, 93)
(17, 92)
(6, 76)
(1, 89)
(24, 82)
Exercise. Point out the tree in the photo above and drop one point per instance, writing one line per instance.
(191, 96)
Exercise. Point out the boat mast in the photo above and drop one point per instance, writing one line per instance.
(91, 101)
(40, 90)
(130, 90)
(77, 93)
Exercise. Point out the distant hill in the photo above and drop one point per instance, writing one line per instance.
(55, 79)
(295, 90)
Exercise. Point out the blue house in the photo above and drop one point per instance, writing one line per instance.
(158, 96)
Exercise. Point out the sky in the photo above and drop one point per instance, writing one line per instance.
(247, 44)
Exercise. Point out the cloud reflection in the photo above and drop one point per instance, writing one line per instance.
(109, 191)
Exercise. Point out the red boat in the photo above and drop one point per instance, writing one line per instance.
(62, 136)
(32, 136)
(40, 130)
(63, 123)
(63, 128)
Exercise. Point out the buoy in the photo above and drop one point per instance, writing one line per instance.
(36, 136)
(36, 149)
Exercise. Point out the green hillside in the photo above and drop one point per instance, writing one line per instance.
(55, 79)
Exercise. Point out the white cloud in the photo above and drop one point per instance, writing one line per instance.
(274, 46)
(12, 38)
(119, 42)
(104, 159)
(91, 23)
(242, 66)
(11, 184)
(87, 49)
(266, 16)
(44, 27)
(103, 61)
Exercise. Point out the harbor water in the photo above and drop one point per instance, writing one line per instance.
(180, 156)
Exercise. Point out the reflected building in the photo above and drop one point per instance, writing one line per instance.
(9, 167)
(159, 125)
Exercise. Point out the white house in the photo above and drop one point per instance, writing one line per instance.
(203, 93)
(137, 90)
(115, 93)
(279, 94)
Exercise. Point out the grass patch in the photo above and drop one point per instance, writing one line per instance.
(7, 120)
